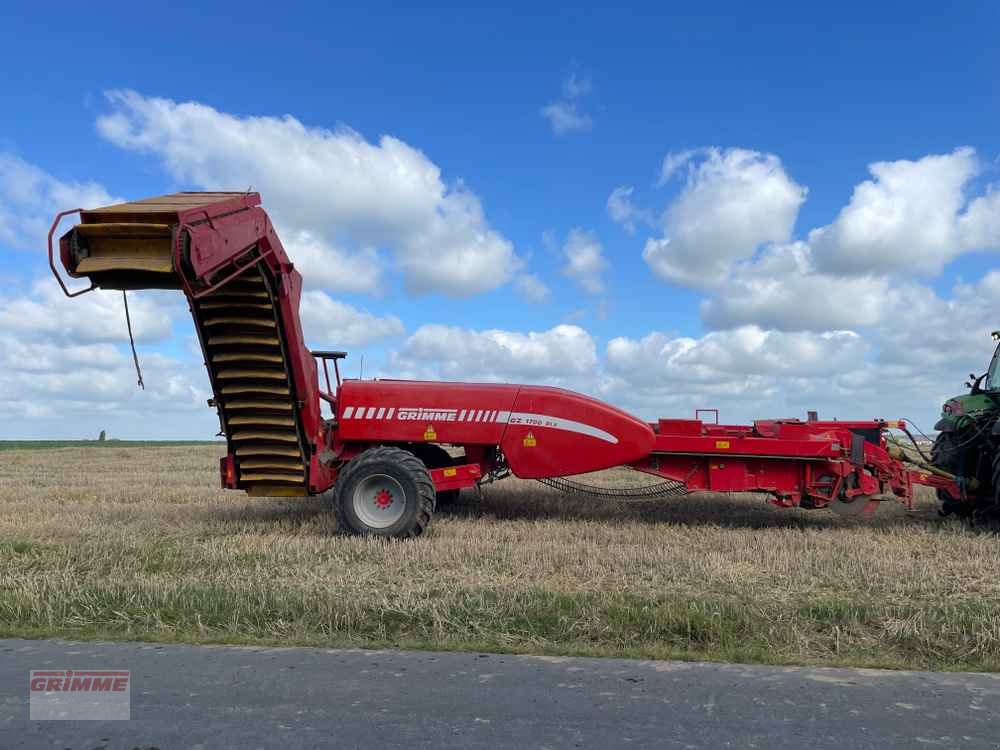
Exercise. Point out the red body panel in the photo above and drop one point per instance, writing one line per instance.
(409, 411)
(542, 431)
(553, 432)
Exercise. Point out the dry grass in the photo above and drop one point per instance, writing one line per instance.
(138, 543)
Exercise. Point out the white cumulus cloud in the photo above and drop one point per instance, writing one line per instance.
(533, 289)
(30, 198)
(622, 210)
(782, 289)
(557, 355)
(911, 217)
(95, 317)
(565, 115)
(330, 323)
(334, 187)
(585, 262)
(733, 201)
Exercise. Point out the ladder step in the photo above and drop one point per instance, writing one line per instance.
(237, 405)
(255, 322)
(251, 374)
(267, 450)
(248, 357)
(123, 230)
(231, 305)
(273, 390)
(243, 340)
(234, 293)
(280, 437)
(99, 263)
(293, 478)
(262, 420)
(270, 490)
(271, 463)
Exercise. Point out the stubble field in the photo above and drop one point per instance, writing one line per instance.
(137, 543)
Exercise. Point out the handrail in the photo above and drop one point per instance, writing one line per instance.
(325, 356)
(698, 413)
(52, 265)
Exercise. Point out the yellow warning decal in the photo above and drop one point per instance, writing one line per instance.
(529, 440)
(450, 472)
(721, 445)
(429, 433)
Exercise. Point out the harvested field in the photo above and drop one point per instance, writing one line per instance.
(137, 542)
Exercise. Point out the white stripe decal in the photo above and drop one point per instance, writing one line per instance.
(503, 417)
(558, 423)
(348, 411)
(392, 411)
(371, 412)
(461, 416)
(381, 411)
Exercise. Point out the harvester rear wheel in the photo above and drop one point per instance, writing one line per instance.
(385, 491)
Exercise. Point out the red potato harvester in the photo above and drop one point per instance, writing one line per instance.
(381, 450)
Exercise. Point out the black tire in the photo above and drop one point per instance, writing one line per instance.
(435, 457)
(946, 452)
(399, 468)
(996, 480)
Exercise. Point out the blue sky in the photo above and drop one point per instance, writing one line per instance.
(778, 111)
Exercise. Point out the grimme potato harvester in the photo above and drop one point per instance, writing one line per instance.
(391, 449)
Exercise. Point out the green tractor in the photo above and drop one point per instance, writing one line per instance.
(966, 445)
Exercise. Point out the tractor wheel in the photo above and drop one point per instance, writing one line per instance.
(435, 457)
(385, 491)
(946, 453)
(994, 511)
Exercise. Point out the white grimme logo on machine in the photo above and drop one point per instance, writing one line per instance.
(424, 414)
(432, 416)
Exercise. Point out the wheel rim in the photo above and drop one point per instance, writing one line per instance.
(379, 501)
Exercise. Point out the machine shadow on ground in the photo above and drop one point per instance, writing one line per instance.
(525, 501)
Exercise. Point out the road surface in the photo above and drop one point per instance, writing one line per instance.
(230, 697)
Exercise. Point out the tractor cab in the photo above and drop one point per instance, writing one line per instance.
(982, 400)
(991, 377)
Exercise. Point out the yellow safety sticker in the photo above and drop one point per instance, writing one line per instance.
(429, 433)
(721, 445)
(529, 440)
(450, 472)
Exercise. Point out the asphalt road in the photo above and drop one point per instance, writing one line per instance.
(225, 697)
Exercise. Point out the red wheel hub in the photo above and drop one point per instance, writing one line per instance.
(383, 499)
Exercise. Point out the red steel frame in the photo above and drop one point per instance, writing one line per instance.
(536, 432)
(793, 461)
